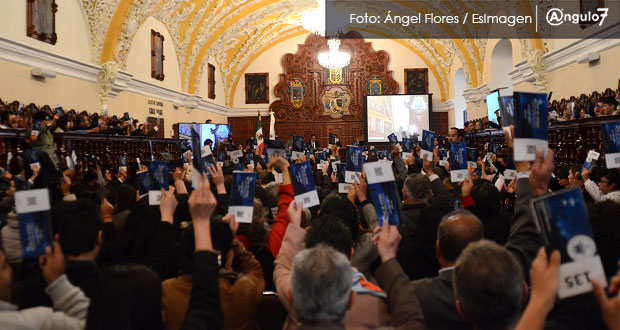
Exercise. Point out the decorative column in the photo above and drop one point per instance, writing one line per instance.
(105, 80)
(538, 65)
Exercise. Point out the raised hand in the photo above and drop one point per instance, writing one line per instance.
(387, 239)
(361, 188)
(52, 263)
(610, 306)
(540, 173)
(201, 206)
(229, 218)
(294, 213)
(544, 278)
(467, 186)
(167, 205)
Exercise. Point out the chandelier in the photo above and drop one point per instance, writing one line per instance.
(313, 20)
(334, 58)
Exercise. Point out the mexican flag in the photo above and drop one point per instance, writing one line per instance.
(259, 136)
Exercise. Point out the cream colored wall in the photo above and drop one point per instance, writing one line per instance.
(219, 84)
(73, 39)
(71, 93)
(576, 78)
(488, 53)
(139, 58)
(270, 61)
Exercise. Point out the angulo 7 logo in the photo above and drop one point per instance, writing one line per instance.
(556, 16)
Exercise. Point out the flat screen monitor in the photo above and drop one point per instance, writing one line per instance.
(492, 106)
(216, 132)
(386, 114)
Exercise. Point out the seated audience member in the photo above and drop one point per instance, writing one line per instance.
(70, 303)
(609, 105)
(323, 295)
(483, 199)
(425, 201)
(78, 227)
(371, 310)
(131, 295)
(562, 177)
(489, 286)
(240, 279)
(436, 295)
(607, 189)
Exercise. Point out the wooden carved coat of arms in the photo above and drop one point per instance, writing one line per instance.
(296, 92)
(336, 102)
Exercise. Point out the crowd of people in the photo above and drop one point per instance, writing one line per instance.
(464, 256)
(16, 115)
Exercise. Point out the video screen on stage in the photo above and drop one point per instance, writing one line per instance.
(386, 114)
(215, 132)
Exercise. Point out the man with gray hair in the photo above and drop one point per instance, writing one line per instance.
(425, 201)
(489, 286)
(321, 286)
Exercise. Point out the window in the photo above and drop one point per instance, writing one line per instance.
(41, 20)
(157, 55)
(589, 6)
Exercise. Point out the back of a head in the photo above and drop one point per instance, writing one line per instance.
(488, 285)
(221, 237)
(564, 172)
(341, 207)
(456, 230)
(78, 224)
(487, 198)
(613, 177)
(330, 231)
(320, 285)
(418, 188)
(126, 197)
(130, 298)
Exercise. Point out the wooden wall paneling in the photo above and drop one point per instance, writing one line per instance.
(440, 123)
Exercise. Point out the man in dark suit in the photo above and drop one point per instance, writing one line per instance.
(436, 294)
(313, 144)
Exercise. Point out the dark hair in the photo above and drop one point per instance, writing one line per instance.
(453, 235)
(606, 230)
(130, 298)
(564, 172)
(221, 238)
(614, 178)
(609, 101)
(82, 190)
(486, 197)
(137, 234)
(330, 231)
(78, 224)
(311, 135)
(111, 195)
(40, 115)
(126, 197)
(418, 187)
(459, 131)
(338, 206)
(207, 141)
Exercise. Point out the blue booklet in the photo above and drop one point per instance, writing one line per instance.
(355, 161)
(59, 110)
(298, 147)
(275, 147)
(443, 157)
(457, 204)
(122, 163)
(158, 179)
(531, 125)
(384, 192)
(143, 182)
(611, 133)
(302, 179)
(35, 227)
(507, 110)
(242, 196)
(510, 173)
(392, 138)
(458, 161)
(343, 187)
(407, 144)
(563, 221)
(428, 143)
(472, 157)
(591, 160)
